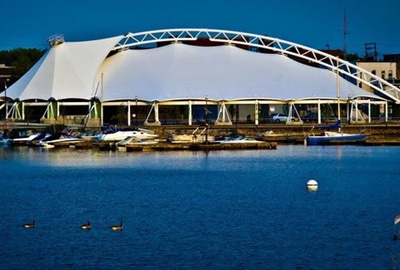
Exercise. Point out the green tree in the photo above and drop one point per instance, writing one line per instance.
(21, 59)
(352, 57)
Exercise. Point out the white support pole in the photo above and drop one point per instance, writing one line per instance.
(46, 112)
(146, 121)
(96, 113)
(102, 99)
(223, 115)
(319, 111)
(356, 105)
(224, 112)
(386, 111)
(129, 113)
(156, 113)
(256, 113)
(101, 114)
(190, 116)
(351, 110)
(23, 110)
(369, 111)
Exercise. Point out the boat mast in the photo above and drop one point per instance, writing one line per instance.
(206, 120)
(338, 88)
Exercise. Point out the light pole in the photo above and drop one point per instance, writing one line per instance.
(5, 100)
(136, 113)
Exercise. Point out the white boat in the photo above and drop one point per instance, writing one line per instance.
(134, 141)
(20, 136)
(240, 139)
(120, 135)
(63, 140)
(23, 140)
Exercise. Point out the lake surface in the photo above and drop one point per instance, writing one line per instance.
(246, 209)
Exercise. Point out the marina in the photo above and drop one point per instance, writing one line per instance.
(174, 138)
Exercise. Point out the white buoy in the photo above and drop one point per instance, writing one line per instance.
(312, 185)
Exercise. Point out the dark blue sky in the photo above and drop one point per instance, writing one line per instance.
(314, 23)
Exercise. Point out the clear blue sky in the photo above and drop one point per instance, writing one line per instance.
(314, 23)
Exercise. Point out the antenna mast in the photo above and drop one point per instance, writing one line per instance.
(345, 34)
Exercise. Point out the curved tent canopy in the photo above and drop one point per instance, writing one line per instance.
(180, 71)
(66, 71)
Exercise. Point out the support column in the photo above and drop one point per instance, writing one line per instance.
(223, 115)
(53, 112)
(256, 113)
(129, 113)
(319, 111)
(190, 116)
(101, 114)
(386, 111)
(356, 111)
(369, 111)
(23, 110)
(156, 114)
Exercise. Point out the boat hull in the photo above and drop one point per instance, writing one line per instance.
(120, 135)
(339, 138)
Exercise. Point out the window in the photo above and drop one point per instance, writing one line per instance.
(383, 74)
(373, 72)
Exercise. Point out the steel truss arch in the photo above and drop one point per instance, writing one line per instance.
(255, 42)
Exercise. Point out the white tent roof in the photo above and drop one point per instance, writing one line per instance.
(67, 70)
(177, 71)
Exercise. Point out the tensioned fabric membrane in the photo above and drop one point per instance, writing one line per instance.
(82, 70)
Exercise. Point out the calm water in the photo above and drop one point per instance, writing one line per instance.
(192, 210)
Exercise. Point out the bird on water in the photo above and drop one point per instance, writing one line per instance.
(117, 227)
(30, 225)
(86, 226)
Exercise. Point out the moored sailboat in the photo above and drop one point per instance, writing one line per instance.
(334, 137)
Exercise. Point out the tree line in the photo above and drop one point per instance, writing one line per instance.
(21, 60)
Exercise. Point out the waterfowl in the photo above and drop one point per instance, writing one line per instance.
(86, 226)
(117, 227)
(30, 225)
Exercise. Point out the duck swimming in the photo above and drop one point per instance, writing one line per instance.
(30, 225)
(86, 226)
(117, 227)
